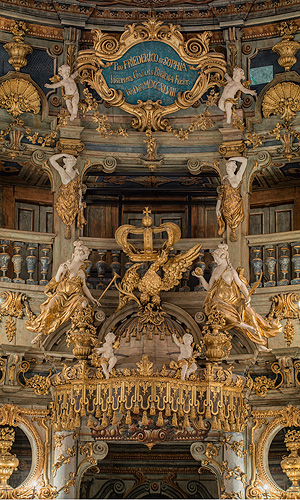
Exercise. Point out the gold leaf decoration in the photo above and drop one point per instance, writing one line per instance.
(194, 52)
(18, 96)
(283, 100)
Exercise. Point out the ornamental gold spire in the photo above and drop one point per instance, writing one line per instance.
(18, 50)
(288, 47)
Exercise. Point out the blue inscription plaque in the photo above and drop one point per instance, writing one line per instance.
(151, 70)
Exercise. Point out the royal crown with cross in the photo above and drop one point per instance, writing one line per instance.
(147, 231)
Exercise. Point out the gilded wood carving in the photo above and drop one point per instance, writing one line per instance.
(206, 69)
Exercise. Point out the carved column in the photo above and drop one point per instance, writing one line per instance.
(65, 464)
(234, 465)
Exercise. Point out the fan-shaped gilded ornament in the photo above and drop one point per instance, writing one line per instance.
(283, 100)
(18, 96)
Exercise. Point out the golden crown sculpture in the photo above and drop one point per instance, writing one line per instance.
(148, 253)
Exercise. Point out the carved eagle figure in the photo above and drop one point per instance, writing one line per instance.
(151, 284)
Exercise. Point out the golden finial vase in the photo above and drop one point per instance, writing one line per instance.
(8, 462)
(291, 466)
(287, 50)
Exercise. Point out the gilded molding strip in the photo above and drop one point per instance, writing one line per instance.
(48, 32)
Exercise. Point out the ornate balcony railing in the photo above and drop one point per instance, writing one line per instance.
(25, 257)
(277, 255)
(107, 258)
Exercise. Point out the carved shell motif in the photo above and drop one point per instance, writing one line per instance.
(18, 96)
(283, 100)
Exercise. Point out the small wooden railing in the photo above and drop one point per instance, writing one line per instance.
(26, 257)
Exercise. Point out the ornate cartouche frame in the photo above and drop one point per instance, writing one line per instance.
(265, 425)
(149, 114)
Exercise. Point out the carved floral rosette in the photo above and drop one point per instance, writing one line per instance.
(211, 68)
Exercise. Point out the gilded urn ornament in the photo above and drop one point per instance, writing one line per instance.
(82, 332)
(291, 464)
(18, 50)
(288, 47)
(8, 462)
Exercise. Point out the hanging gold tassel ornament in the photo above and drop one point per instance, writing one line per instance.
(193, 413)
(160, 420)
(104, 422)
(115, 419)
(144, 418)
(214, 424)
(200, 422)
(174, 420)
(186, 422)
(152, 409)
(90, 421)
(77, 420)
(168, 410)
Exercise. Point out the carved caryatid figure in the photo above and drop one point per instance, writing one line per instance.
(186, 357)
(108, 359)
(70, 94)
(227, 292)
(67, 292)
(69, 201)
(227, 99)
(230, 207)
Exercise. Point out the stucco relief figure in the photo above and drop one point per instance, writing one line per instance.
(234, 85)
(229, 206)
(227, 292)
(186, 357)
(70, 92)
(69, 201)
(108, 358)
(67, 292)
